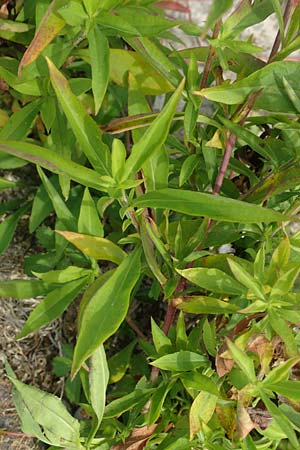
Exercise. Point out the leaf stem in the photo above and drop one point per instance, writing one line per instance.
(286, 16)
(210, 57)
(135, 328)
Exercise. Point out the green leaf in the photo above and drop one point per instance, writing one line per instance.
(245, 15)
(277, 8)
(273, 97)
(20, 122)
(8, 228)
(217, 9)
(89, 220)
(282, 329)
(156, 58)
(95, 247)
(52, 306)
(279, 260)
(209, 337)
(60, 428)
(98, 380)
(90, 291)
(123, 404)
(73, 13)
(119, 363)
(117, 23)
(281, 372)
(49, 28)
(274, 184)
(157, 401)
(289, 389)
(187, 168)
(199, 382)
(54, 162)
(41, 206)
(246, 279)
(99, 54)
(284, 283)
(201, 411)
(208, 205)
(161, 342)
(106, 310)
(180, 361)
(20, 289)
(199, 304)
(156, 168)
(85, 129)
(154, 137)
(147, 24)
(28, 424)
(213, 280)
(62, 211)
(71, 273)
(91, 6)
(282, 421)
(181, 336)
(243, 361)
(118, 158)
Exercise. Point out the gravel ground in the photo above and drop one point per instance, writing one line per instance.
(30, 357)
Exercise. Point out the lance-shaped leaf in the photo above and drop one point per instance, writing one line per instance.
(99, 52)
(154, 137)
(60, 428)
(52, 161)
(281, 420)
(180, 361)
(214, 280)
(52, 306)
(201, 411)
(8, 227)
(95, 247)
(85, 129)
(155, 57)
(89, 220)
(274, 184)
(98, 380)
(20, 122)
(23, 288)
(49, 28)
(200, 304)
(270, 79)
(106, 310)
(207, 205)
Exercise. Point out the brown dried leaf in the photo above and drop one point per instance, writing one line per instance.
(138, 438)
(223, 364)
(244, 422)
(259, 344)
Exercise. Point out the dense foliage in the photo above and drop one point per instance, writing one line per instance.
(134, 208)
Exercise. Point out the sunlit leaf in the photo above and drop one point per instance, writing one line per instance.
(95, 247)
(106, 310)
(202, 204)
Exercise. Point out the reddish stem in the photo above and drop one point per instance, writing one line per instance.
(210, 57)
(135, 328)
(290, 4)
(222, 171)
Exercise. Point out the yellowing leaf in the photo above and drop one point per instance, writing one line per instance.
(50, 26)
(201, 411)
(95, 247)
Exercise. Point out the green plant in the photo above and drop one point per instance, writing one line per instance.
(139, 220)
